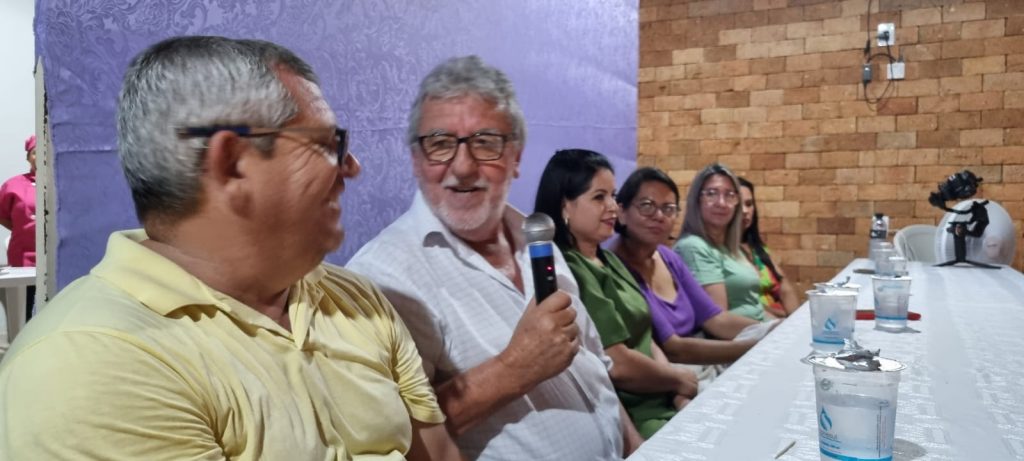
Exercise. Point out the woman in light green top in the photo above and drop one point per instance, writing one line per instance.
(710, 244)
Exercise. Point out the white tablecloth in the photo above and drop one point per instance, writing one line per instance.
(960, 398)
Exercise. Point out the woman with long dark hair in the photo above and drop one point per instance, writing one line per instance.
(577, 190)
(777, 295)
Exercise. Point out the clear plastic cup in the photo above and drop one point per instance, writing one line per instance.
(856, 410)
(829, 286)
(883, 262)
(833, 316)
(892, 297)
(899, 265)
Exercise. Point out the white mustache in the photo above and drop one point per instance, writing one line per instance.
(452, 181)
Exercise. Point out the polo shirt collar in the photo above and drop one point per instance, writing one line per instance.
(163, 286)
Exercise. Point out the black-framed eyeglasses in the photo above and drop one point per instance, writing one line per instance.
(483, 147)
(714, 195)
(338, 135)
(649, 208)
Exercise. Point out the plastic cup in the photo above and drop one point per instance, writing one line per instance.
(892, 296)
(899, 265)
(824, 286)
(883, 263)
(833, 315)
(856, 410)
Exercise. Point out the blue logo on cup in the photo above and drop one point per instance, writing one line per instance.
(824, 421)
(830, 325)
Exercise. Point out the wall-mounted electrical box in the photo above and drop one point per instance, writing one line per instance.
(895, 70)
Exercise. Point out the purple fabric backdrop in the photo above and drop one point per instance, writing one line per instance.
(574, 65)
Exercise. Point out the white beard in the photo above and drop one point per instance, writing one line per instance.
(460, 220)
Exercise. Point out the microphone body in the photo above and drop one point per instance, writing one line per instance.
(542, 262)
(539, 230)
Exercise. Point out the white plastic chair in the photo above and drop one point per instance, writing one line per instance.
(916, 242)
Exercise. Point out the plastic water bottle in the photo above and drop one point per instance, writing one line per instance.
(879, 232)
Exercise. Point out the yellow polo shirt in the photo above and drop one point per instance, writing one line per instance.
(141, 361)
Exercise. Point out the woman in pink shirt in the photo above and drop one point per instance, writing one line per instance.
(18, 211)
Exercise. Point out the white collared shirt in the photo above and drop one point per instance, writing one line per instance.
(462, 311)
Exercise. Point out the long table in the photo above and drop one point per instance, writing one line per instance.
(960, 398)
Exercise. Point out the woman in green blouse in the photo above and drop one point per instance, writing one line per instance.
(577, 189)
(710, 243)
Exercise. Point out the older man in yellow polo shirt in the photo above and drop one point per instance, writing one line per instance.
(217, 332)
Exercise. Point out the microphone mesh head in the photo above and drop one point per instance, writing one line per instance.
(538, 227)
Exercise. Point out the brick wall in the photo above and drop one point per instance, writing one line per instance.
(772, 89)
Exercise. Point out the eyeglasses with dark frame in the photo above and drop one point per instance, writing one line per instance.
(648, 208)
(339, 135)
(483, 147)
(714, 195)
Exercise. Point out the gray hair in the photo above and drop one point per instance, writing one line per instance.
(195, 81)
(693, 222)
(468, 75)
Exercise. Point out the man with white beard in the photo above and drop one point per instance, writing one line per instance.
(516, 379)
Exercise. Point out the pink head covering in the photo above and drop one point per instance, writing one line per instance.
(30, 143)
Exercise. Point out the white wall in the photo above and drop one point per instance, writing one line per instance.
(17, 84)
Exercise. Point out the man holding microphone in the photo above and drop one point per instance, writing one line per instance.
(517, 379)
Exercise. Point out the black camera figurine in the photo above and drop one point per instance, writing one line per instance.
(962, 185)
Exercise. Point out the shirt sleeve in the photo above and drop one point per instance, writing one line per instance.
(425, 328)
(590, 339)
(7, 199)
(114, 401)
(407, 366)
(704, 307)
(601, 309)
(660, 323)
(704, 261)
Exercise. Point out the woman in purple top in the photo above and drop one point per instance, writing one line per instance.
(680, 307)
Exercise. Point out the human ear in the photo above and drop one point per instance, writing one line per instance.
(226, 170)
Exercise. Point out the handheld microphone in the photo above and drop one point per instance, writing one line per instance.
(539, 230)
